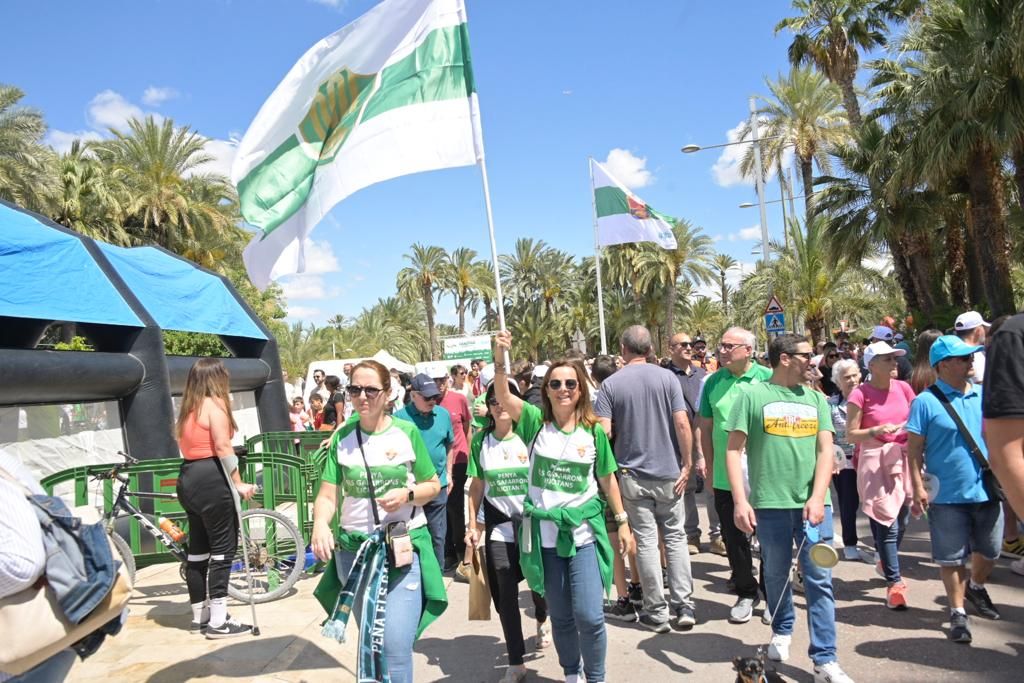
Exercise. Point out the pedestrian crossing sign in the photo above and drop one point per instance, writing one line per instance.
(775, 322)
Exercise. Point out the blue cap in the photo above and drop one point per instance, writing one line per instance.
(949, 346)
(425, 385)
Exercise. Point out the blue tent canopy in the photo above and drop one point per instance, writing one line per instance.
(50, 275)
(178, 295)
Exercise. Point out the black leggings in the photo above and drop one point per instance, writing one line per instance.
(212, 528)
(849, 503)
(503, 577)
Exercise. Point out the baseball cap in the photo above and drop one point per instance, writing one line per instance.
(539, 371)
(880, 348)
(898, 336)
(425, 385)
(950, 346)
(969, 320)
(882, 332)
(487, 374)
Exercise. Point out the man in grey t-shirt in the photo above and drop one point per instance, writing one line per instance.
(643, 407)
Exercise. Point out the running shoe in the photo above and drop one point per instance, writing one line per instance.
(461, 574)
(981, 601)
(743, 610)
(514, 674)
(229, 629)
(1017, 567)
(636, 594)
(622, 610)
(693, 545)
(543, 635)
(778, 647)
(896, 596)
(1013, 548)
(683, 620)
(717, 547)
(651, 623)
(959, 632)
(852, 553)
(830, 672)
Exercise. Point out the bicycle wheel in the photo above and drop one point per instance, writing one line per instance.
(125, 551)
(277, 556)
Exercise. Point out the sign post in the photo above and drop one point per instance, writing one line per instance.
(774, 318)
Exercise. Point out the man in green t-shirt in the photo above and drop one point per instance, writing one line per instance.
(786, 427)
(737, 375)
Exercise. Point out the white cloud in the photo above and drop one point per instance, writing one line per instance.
(223, 152)
(307, 287)
(61, 140)
(744, 235)
(303, 312)
(109, 109)
(336, 4)
(628, 169)
(726, 170)
(154, 96)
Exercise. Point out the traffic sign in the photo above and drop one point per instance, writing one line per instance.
(774, 322)
(773, 306)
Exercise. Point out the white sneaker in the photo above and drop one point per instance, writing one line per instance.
(1017, 567)
(778, 647)
(851, 553)
(830, 672)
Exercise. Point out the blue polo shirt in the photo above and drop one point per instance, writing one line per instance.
(946, 454)
(436, 429)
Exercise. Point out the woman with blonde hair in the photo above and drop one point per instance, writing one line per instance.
(565, 553)
(205, 427)
(377, 478)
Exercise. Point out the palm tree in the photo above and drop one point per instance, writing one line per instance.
(690, 260)
(704, 317)
(830, 34)
(299, 346)
(723, 263)
(420, 280)
(803, 111)
(520, 270)
(460, 276)
(25, 177)
(88, 199)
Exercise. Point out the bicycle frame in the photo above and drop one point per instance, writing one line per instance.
(121, 504)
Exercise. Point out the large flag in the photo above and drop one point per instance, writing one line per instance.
(623, 217)
(390, 94)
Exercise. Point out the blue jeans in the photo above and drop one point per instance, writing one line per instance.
(778, 531)
(887, 542)
(575, 595)
(401, 615)
(54, 669)
(436, 512)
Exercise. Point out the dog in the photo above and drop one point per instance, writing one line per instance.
(753, 670)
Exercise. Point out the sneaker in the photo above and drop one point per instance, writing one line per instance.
(622, 610)
(684, 619)
(693, 545)
(959, 632)
(229, 629)
(778, 647)
(636, 594)
(656, 626)
(866, 556)
(766, 617)
(1014, 548)
(742, 610)
(851, 553)
(461, 574)
(514, 674)
(896, 596)
(199, 627)
(543, 636)
(717, 546)
(1017, 567)
(798, 582)
(829, 672)
(979, 598)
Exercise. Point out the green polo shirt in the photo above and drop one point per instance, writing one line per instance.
(436, 429)
(716, 401)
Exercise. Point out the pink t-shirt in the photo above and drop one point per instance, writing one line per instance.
(458, 407)
(882, 407)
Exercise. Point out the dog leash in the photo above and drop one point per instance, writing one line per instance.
(792, 567)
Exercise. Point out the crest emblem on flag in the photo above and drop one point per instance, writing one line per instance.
(637, 209)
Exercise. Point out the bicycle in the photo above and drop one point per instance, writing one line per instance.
(275, 548)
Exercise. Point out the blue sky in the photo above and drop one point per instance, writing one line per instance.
(558, 80)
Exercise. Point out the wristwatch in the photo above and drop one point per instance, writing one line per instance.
(412, 494)
(621, 518)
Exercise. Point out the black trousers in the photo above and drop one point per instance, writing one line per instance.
(455, 541)
(849, 502)
(503, 577)
(212, 528)
(737, 546)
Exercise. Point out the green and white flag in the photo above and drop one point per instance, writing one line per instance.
(388, 95)
(622, 217)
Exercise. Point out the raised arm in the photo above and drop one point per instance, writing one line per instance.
(512, 403)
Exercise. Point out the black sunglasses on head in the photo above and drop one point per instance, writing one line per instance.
(371, 392)
(570, 384)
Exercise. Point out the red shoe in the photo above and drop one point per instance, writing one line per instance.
(896, 596)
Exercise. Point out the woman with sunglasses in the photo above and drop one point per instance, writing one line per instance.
(402, 480)
(564, 549)
(499, 467)
(877, 413)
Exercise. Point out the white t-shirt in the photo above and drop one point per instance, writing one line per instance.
(397, 458)
(503, 465)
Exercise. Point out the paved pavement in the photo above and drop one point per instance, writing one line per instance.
(875, 644)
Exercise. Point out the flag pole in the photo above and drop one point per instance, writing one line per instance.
(597, 262)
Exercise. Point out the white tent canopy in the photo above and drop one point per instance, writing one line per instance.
(336, 366)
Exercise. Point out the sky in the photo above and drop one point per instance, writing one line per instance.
(628, 83)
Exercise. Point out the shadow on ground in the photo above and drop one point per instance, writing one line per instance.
(476, 658)
(247, 659)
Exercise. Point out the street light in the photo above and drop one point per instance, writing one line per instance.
(750, 205)
(690, 149)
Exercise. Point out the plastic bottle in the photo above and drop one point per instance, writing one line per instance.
(171, 529)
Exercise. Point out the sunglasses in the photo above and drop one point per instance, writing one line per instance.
(832, 355)
(806, 355)
(685, 345)
(428, 399)
(729, 347)
(570, 384)
(371, 392)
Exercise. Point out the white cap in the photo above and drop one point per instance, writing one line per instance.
(487, 374)
(880, 348)
(539, 371)
(969, 320)
(882, 332)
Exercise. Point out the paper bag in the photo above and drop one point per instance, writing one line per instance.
(479, 594)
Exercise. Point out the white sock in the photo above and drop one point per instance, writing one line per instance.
(218, 612)
(200, 612)
(975, 586)
(957, 610)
